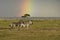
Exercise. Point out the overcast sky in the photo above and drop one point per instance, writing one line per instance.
(40, 8)
(46, 8)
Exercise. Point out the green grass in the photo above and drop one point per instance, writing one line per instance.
(37, 31)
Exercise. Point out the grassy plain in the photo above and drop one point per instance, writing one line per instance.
(40, 30)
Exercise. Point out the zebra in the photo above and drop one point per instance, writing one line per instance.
(20, 24)
(26, 24)
(14, 24)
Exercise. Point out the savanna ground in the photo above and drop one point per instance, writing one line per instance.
(40, 30)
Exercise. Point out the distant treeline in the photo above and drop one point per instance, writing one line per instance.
(32, 18)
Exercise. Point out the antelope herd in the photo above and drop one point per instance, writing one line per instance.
(21, 24)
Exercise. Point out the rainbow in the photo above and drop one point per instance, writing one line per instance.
(25, 8)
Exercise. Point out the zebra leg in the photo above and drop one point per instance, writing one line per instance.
(21, 25)
(18, 27)
(27, 26)
(24, 25)
(11, 27)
